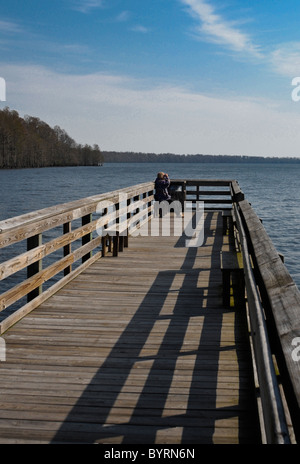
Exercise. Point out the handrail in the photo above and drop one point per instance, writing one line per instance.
(205, 190)
(27, 225)
(281, 303)
(31, 227)
(275, 425)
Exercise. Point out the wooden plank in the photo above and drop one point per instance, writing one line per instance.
(209, 192)
(137, 348)
(209, 182)
(26, 309)
(210, 201)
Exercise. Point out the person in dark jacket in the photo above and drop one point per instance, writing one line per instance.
(162, 183)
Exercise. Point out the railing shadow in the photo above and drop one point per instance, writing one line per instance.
(152, 412)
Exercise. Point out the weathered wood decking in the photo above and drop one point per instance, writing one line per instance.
(137, 349)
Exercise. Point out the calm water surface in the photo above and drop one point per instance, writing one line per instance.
(273, 190)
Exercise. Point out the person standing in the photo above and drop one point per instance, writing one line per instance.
(162, 183)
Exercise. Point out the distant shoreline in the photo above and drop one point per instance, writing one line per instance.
(31, 143)
(135, 157)
(123, 157)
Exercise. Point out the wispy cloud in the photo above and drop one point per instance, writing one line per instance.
(9, 27)
(123, 17)
(141, 29)
(285, 59)
(84, 6)
(217, 29)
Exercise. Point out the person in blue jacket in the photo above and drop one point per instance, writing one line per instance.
(162, 183)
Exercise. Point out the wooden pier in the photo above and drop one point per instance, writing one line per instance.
(123, 333)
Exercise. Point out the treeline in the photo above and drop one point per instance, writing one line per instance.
(29, 142)
(131, 157)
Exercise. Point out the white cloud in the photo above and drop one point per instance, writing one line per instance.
(84, 6)
(139, 28)
(9, 27)
(218, 30)
(121, 113)
(285, 60)
(123, 16)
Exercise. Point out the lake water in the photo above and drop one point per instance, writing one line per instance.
(272, 189)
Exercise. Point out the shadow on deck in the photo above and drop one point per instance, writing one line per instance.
(195, 386)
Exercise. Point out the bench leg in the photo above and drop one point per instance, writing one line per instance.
(226, 281)
(226, 287)
(116, 244)
(241, 289)
(103, 242)
(224, 225)
(121, 243)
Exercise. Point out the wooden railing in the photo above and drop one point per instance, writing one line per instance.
(274, 309)
(76, 226)
(275, 429)
(215, 193)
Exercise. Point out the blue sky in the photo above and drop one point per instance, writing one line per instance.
(180, 76)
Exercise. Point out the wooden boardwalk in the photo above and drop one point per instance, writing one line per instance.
(137, 349)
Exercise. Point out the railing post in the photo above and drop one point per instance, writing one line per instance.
(116, 237)
(104, 237)
(136, 211)
(67, 248)
(183, 193)
(150, 214)
(33, 242)
(88, 237)
(197, 192)
(128, 215)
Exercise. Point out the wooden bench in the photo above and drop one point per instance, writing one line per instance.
(231, 262)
